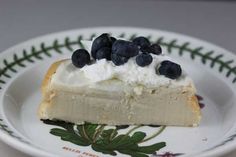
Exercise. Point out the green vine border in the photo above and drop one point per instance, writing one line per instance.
(45, 51)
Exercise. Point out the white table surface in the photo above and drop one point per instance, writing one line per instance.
(214, 21)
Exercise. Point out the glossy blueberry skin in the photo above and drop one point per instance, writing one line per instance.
(144, 59)
(141, 41)
(118, 60)
(154, 49)
(80, 58)
(125, 48)
(170, 69)
(104, 52)
(103, 40)
(145, 49)
(113, 39)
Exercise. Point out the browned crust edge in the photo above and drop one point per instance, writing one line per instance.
(45, 89)
(52, 69)
(196, 108)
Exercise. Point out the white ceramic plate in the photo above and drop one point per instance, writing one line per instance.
(22, 69)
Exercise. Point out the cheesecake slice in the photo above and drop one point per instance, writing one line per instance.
(104, 93)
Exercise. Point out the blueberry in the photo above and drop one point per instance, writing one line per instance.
(145, 49)
(155, 49)
(125, 48)
(103, 40)
(113, 39)
(144, 59)
(141, 41)
(165, 62)
(118, 60)
(104, 52)
(170, 69)
(80, 58)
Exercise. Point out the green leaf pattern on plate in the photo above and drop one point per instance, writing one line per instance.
(107, 140)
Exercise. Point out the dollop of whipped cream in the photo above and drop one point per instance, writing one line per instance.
(129, 73)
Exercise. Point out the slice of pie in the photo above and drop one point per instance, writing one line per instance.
(125, 83)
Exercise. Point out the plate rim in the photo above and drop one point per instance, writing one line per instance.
(33, 150)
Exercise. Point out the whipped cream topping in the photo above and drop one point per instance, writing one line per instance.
(129, 73)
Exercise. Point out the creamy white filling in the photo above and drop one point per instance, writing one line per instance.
(129, 73)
